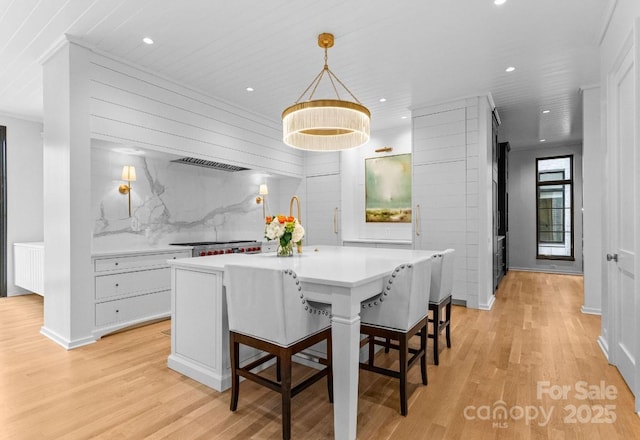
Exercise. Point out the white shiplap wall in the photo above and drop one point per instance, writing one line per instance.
(131, 106)
(450, 171)
(91, 96)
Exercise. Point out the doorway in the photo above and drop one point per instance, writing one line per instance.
(3, 211)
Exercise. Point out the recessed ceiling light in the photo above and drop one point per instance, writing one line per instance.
(510, 69)
(382, 99)
(499, 2)
(249, 89)
(147, 40)
(543, 140)
(545, 111)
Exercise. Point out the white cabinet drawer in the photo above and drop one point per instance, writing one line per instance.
(137, 261)
(130, 309)
(132, 283)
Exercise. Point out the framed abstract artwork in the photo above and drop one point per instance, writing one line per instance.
(388, 189)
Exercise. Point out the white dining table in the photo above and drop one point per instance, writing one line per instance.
(342, 277)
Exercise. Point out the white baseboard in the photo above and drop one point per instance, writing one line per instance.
(591, 311)
(207, 375)
(64, 342)
(19, 291)
(545, 270)
(489, 305)
(604, 346)
(199, 372)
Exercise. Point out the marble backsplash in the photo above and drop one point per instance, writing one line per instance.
(174, 202)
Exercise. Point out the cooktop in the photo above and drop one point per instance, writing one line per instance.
(211, 243)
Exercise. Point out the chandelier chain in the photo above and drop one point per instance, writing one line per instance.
(331, 76)
(345, 87)
(316, 82)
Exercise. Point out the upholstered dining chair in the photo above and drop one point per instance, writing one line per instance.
(440, 297)
(397, 314)
(267, 310)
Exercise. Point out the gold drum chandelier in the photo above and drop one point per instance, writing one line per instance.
(325, 124)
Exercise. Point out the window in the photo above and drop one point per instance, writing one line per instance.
(554, 207)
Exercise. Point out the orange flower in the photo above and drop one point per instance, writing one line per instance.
(291, 219)
(281, 219)
(269, 219)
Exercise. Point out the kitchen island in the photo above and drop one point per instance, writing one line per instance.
(340, 276)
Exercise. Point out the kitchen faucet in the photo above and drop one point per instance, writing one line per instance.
(298, 244)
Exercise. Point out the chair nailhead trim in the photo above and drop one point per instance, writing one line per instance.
(312, 310)
(388, 289)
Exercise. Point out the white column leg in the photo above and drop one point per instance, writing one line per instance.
(346, 345)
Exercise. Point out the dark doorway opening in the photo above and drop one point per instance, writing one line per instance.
(3, 211)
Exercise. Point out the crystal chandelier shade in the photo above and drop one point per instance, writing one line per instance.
(325, 124)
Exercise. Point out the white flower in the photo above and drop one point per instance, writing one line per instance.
(298, 232)
(274, 230)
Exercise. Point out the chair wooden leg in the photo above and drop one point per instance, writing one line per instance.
(278, 370)
(436, 333)
(372, 348)
(235, 379)
(330, 367)
(387, 345)
(404, 353)
(448, 319)
(286, 394)
(423, 348)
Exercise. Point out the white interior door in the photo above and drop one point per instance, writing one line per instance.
(623, 199)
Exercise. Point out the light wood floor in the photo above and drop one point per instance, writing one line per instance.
(121, 388)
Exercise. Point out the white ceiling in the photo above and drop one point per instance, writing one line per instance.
(411, 53)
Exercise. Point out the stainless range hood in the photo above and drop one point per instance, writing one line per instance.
(209, 164)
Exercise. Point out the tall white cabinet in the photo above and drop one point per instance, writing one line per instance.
(322, 205)
(452, 191)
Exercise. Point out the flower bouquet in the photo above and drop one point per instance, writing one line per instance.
(285, 229)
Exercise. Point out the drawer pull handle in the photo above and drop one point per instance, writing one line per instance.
(116, 263)
(117, 311)
(117, 284)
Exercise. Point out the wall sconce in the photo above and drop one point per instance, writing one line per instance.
(128, 174)
(263, 192)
